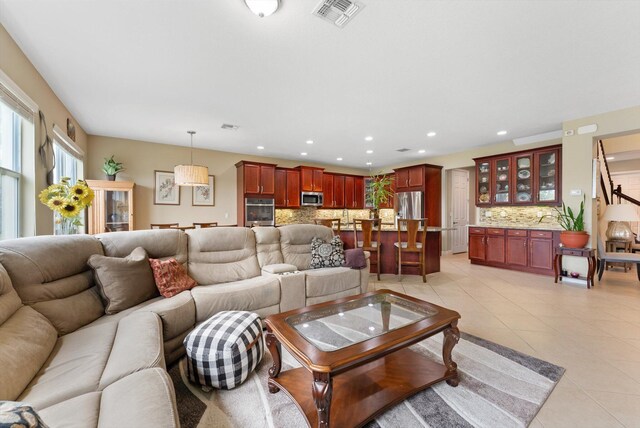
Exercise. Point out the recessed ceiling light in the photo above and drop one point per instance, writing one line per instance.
(369, 163)
(611, 157)
(260, 147)
(338, 159)
(502, 132)
(431, 134)
(421, 151)
(303, 154)
(369, 138)
(309, 141)
(369, 152)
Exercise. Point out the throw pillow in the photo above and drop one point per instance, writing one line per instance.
(171, 277)
(124, 282)
(14, 414)
(325, 254)
(355, 258)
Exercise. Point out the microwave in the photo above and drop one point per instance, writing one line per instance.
(311, 199)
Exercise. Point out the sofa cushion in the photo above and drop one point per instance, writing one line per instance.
(124, 282)
(321, 282)
(222, 254)
(159, 243)
(50, 273)
(26, 340)
(171, 277)
(295, 242)
(246, 295)
(14, 414)
(326, 254)
(9, 299)
(268, 245)
(77, 412)
(279, 268)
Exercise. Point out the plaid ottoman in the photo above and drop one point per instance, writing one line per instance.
(223, 350)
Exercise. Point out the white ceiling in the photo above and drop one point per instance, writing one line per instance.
(151, 70)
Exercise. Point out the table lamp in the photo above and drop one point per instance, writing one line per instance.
(619, 216)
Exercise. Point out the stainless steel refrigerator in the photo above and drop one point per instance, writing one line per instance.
(410, 205)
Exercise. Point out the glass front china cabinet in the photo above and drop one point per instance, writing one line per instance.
(112, 208)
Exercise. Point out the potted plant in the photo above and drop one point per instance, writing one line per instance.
(111, 168)
(380, 191)
(573, 235)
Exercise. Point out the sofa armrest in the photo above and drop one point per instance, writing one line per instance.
(293, 290)
(278, 268)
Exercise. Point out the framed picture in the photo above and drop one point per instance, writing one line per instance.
(71, 130)
(165, 190)
(204, 196)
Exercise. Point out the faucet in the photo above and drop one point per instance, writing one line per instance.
(345, 214)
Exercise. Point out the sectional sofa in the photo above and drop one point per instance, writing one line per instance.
(77, 366)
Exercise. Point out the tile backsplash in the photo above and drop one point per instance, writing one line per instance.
(517, 216)
(308, 214)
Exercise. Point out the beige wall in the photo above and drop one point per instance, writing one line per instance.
(625, 165)
(141, 158)
(36, 219)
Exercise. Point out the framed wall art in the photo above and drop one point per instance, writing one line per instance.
(204, 196)
(165, 190)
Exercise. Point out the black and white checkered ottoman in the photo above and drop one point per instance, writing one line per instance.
(223, 350)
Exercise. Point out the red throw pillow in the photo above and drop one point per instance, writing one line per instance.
(171, 277)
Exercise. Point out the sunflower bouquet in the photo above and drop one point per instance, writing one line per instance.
(67, 201)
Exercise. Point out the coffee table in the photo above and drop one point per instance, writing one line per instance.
(355, 357)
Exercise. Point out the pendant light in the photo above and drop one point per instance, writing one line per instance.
(262, 8)
(191, 175)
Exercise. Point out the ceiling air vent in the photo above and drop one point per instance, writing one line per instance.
(338, 12)
(402, 150)
(230, 127)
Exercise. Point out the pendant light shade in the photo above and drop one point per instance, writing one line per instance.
(262, 8)
(191, 175)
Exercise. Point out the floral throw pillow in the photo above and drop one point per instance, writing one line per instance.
(14, 414)
(324, 254)
(171, 277)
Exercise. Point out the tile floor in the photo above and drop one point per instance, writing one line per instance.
(594, 334)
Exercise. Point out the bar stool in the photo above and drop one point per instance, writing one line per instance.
(164, 225)
(413, 227)
(205, 225)
(368, 244)
(329, 222)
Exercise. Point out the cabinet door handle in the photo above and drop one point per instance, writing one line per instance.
(524, 243)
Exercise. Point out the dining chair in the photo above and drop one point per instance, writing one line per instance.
(605, 257)
(370, 238)
(330, 223)
(414, 228)
(205, 225)
(164, 225)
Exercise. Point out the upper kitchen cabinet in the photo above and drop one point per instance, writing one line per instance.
(311, 179)
(410, 178)
(353, 192)
(287, 190)
(530, 177)
(256, 178)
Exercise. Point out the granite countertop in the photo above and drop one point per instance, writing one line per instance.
(520, 226)
(395, 229)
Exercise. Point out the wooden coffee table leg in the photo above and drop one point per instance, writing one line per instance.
(276, 353)
(322, 390)
(451, 337)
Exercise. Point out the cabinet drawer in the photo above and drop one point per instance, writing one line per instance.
(572, 252)
(492, 231)
(476, 230)
(516, 232)
(540, 234)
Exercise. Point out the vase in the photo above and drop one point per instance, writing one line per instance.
(572, 239)
(64, 225)
(111, 177)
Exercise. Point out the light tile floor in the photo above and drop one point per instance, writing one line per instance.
(594, 334)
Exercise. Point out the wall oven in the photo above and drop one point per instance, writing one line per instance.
(311, 199)
(259, 212)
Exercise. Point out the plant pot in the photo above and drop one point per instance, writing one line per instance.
(572, 239)
(111, 177)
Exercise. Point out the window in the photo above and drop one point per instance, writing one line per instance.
(15, 117)
(68, 160)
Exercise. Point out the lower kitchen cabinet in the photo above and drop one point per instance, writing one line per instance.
(529, 250)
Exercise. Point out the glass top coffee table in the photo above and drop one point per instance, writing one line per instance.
(355, 357)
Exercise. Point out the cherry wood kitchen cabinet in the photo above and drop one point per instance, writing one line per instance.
(257, 179)
(529, 250)
(327, 191)
(353, 192)
(287, 191)
(410, 178)
(311, 179)
(338, 191)
(530, 177)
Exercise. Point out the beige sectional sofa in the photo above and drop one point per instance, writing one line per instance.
(79, 367)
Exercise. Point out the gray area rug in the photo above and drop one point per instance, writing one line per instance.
(499, 387)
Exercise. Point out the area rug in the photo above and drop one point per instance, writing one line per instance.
(499, 387)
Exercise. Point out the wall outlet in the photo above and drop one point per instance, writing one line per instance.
(575, 192)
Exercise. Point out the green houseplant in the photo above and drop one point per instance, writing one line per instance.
(379, 191)
(111, 168)
(573, 235)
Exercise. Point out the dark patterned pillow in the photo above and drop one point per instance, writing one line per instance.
(14, 414)
(326, 254)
